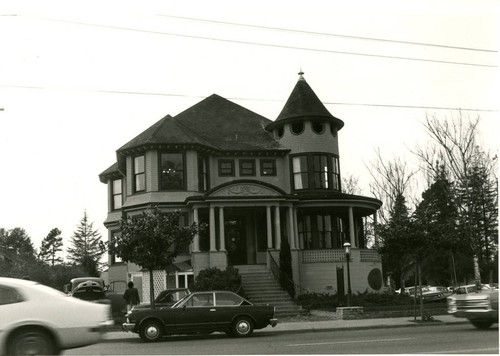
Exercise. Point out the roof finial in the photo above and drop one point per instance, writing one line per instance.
(301, 73)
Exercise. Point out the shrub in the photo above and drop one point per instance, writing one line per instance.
(325, 301)
(216, 279)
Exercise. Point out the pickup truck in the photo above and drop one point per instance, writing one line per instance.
(481, 308)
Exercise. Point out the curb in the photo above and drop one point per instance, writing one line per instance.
(121, 335)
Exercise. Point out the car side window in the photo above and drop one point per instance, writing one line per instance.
(9, 296)
(227, 299)
(201, 300)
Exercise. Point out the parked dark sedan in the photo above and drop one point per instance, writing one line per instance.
(201, 313)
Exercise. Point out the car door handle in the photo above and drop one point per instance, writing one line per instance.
(212, 309)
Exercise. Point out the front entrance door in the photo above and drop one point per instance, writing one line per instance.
(235, 236)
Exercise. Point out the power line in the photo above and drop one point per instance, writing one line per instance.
(243, 99)
(330, 34)
(269, 45)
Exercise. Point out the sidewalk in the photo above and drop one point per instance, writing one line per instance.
(314, 326)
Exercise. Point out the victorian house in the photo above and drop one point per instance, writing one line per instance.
(254, 182)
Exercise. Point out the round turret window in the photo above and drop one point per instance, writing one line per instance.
(297, 128)
(318, 127)
(279, 132)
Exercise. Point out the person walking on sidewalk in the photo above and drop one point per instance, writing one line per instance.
(131, 296)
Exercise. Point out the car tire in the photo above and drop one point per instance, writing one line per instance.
(482, 324)
(242, 327)
(151, 331)
(32, 341)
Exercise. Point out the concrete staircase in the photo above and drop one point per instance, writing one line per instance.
(262, 288)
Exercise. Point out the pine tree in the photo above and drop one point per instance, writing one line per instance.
(394, 241)
(51, 245)
(87, 247)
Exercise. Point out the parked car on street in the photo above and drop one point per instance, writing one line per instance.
(429, 293)
(201, 313)
(472, 288)
(166, 298)
(481, 308)
(40, 320)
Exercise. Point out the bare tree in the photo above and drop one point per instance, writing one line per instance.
(350, 185)
(454, 144)
(391, 178)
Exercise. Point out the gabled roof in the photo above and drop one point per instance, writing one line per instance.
(302, 104)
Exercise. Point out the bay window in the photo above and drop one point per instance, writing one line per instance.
(315, 171)
(172, 171)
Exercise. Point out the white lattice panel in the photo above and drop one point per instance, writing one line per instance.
(158, 283)
(369, 256)
(318, 256)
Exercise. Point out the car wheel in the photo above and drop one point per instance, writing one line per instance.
(482, 324)
(242, 327)
(151, 331)
(32, 341)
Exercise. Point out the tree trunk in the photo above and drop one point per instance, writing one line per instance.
(420, 291)
(477, 274)
(151, 289)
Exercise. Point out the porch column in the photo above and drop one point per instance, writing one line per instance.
(296, 228)
(375, 238)
(222, 242)
(291, 228)
(196, 242)
(352, 240)
(277, 228)
(212, 229)
(269, 228)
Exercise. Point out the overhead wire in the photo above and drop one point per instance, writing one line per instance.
(329, 34)
(121, 28)
(242, 99)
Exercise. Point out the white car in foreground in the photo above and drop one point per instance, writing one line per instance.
(40, 320)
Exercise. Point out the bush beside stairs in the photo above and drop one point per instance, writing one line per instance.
(262, 288)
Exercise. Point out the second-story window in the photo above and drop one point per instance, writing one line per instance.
(203, 184)
(226, 168)
(267, 167)
(320, 171)
(172, 171)
(139, 174)
(247, 167)
(315, 171)
(117, 194)
(300, 173)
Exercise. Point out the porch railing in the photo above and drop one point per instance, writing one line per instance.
(278, 275)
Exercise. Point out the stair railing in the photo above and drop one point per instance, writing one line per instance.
(277, 273)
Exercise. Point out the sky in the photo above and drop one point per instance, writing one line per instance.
(79, 79)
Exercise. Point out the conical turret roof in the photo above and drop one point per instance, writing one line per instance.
(302, 104)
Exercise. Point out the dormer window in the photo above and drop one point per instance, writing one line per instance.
(318, 127)
(297, 128)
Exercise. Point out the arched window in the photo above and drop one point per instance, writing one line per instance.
(318, 126)
(297, 128)
(279, 132)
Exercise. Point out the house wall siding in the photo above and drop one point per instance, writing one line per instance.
(309, 141)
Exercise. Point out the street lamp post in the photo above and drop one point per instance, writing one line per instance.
(347, 250)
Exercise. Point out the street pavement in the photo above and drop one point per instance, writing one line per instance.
(336, 324)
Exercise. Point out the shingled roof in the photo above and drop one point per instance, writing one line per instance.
(303, 103)
(215, 123)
